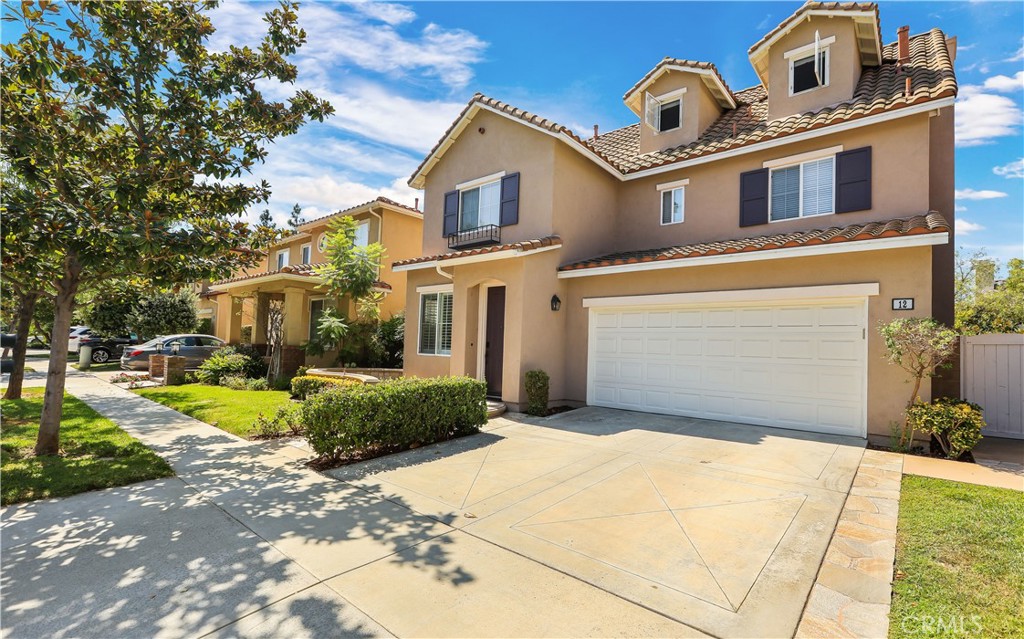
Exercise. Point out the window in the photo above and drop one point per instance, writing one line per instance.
(210, 341)
(321, 244)
(362, 234)
(435, 324)
(480, 206)
(307, 253)
(282, 259)
(803, 190)
(672, 206)
(808, 65)
(665, 112)
(316, 310)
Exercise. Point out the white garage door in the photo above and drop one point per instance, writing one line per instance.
(797, 365)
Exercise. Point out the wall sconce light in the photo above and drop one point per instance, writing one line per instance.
(555, 303)
(175, 347)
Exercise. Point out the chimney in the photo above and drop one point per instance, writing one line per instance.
(906, 87)
(595, 130)
(417, 204)
(903, 34)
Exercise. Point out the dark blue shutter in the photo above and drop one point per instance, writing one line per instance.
(451, 213)
(509, 200)
(754, 197)
(853, 180)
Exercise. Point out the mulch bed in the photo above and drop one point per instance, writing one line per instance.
(934, 451)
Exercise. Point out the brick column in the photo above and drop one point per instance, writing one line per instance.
(175, 370)
(156, 366)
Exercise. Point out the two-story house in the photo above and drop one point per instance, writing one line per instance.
(728, 256)
(287, 273)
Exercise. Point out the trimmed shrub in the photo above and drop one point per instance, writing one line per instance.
(305, 385)
(240, 361)
(237, 382)
(394, 414)
(954, 423)
(286, 421)
(537, 393)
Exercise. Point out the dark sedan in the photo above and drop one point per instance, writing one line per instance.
(194, 348)
(104, 348)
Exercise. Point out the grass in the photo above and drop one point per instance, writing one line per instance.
(230, 410)
(95, 452)
(959, 561)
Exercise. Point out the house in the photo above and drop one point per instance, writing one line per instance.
(728, 256)
(288, 273)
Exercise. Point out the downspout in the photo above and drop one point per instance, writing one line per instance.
(449, 276)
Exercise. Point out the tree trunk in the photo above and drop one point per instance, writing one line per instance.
(48, 442)
(907, 437)
(26, 309)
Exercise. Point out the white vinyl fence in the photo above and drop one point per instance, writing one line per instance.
(992, 375)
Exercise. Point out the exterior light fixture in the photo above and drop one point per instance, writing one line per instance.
(555, 303)
(175, 347)
(159, 348)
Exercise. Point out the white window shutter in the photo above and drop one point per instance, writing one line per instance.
(652, 113)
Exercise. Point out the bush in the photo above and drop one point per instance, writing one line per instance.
(387, 344)
(305, 385)
(286, 421)
(165, 313)
(239, 361)
(954, 423)
(394, 414)
(237, 382)
(537, 392)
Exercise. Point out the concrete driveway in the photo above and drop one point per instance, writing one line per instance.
(719, 526)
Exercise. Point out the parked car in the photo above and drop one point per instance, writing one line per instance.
(106, 348)
(194, 348)
(75, 335)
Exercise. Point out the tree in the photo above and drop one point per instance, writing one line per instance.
(352, 270)
(111, 308)
(125, 128)
(164, 314)
(1000, 310)
(267, 220)
(295, 219)
(918, 345)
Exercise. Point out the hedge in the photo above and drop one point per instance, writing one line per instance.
(537, 392)
(393, 414)
(305, 385)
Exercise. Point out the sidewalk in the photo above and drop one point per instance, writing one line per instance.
(243, 543)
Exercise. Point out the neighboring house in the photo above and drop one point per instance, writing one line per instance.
(729, 256)
(287, 273)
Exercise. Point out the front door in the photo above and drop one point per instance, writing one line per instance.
(495, 340)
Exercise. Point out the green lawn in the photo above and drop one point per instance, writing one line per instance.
(959, 561)
(230, 410)
(96, 453)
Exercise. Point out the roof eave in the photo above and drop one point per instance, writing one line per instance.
(711, 80)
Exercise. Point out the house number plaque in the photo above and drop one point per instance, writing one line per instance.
(903, 303)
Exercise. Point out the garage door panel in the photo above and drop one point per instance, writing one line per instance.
(789, 365)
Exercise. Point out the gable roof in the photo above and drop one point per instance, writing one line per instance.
(379, 200)
(707, 71)
(879, 92)
(867, 26)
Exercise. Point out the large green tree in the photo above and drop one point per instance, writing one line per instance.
(134, 134)
(999, 310)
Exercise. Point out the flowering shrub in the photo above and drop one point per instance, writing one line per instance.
(954, 423)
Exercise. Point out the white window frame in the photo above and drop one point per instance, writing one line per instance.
(654, 104)
(309, 308)
(800, 189)
(678, 185)
(809, 51)
(439, 291)
(287, 258)
(305, 249)
(476, 184)
(359, 225)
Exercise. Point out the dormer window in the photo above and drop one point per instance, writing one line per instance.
(665, 112)
(809, 65)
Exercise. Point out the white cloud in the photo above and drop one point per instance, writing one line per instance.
(964, 227)
(971, 194)
(1006, 84)
(385, 11)
(959, 209)
(1014, 169)
(981, 117)
(1017, 57)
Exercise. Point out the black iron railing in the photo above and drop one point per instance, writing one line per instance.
(480, 236)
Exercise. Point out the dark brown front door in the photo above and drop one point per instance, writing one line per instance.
(495, 346)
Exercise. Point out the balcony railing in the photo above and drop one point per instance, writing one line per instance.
(480, 236)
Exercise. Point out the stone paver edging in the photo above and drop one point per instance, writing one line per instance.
(852, 594)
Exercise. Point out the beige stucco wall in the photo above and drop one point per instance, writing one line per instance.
(504, 146)
(844, 67)
(402, 237)
(586, 205)
(899, 273)
(713, 194)
(700, 110)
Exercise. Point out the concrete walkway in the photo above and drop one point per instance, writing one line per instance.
(248, 542)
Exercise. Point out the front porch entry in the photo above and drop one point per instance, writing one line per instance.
(494, 340)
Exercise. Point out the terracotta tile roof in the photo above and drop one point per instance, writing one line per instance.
(677, 62)
(880, 89)
(815, 6)
(378, 200)
(306, 270)
(931, 222)
(522, 247)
